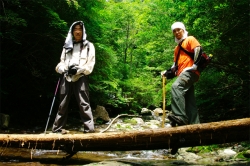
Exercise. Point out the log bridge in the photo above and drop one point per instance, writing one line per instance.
(163, 138)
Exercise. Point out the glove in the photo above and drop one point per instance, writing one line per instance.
(61, 69)
(72, 70)
(169, 74)
(194, 67)
(163, 73)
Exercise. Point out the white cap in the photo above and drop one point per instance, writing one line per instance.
(181, 26)
(178, 25)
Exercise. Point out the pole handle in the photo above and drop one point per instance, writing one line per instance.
(57, 86)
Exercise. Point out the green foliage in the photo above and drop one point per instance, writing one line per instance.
(246, 144)
(242, 154)
(131, 121)
(203, 149)
(143, 90)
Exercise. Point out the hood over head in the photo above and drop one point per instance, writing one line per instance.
(68, 45)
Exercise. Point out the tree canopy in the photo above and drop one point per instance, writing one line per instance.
(134, 43)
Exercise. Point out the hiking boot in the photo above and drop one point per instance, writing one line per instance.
(61, 131)
(173, 123)
(176, 120)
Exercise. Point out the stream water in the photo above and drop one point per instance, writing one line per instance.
(23, 157)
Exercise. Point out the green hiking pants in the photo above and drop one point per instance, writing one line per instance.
(183, 99)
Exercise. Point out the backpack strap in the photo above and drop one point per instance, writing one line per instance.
(88, 49)
(177, 58)
(187, 52)
(178, 54)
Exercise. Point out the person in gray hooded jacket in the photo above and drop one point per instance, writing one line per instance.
(76, 63)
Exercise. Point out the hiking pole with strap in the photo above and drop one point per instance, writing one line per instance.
(163, 98)
(52, 106)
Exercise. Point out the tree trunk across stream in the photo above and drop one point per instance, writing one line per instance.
(162, 138)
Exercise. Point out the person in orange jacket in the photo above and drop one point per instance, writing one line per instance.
(183, 104)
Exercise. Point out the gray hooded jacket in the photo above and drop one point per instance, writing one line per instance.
(80, 54)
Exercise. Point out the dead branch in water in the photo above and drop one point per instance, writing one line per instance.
(114, 120)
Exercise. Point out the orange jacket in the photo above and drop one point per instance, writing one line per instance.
(185, 60)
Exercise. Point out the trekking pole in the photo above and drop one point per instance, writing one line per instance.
(163, 98)
(52, 106)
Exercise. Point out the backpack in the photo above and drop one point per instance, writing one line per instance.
(203, 59)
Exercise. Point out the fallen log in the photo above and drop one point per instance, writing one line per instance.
(164, 138)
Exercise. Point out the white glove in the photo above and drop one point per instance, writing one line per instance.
(194, 67)
(61, 69)
(163, 72)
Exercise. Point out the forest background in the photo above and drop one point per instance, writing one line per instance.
(134, 43)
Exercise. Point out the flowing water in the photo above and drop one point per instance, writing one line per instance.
(23, 157)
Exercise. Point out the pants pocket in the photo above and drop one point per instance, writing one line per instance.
(188, 78)
(83, 83)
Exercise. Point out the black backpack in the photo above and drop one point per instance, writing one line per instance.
(203, 59)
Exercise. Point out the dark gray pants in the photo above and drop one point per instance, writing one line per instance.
(183, 99)
(81, 91)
